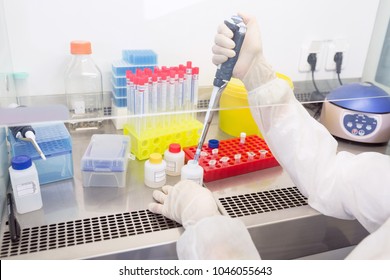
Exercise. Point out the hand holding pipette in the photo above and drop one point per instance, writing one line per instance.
(222, 76)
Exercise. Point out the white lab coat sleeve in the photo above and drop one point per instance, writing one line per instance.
(341, 185)
(376, 246)
(216, 238)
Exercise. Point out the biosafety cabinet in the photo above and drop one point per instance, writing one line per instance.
(111, 222)
(7, 95)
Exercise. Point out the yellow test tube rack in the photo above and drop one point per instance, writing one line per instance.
(155, 135)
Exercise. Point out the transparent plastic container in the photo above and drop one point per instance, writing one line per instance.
(104, 163)
(84, 88)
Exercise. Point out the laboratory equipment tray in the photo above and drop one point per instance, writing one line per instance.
(229, 148)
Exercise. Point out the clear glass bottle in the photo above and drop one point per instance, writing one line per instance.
(84, 88)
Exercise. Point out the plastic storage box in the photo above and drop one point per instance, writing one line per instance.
(132, 60)
(120, 102)
(104, 162)
(140, 57)
(119, 67)
(55, 142)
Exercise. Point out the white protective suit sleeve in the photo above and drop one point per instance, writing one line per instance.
(342, 185)
(337, 184)
(217, 238)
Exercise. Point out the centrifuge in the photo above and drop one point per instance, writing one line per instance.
(359, 112)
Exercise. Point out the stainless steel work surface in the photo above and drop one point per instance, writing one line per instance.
(114, 223)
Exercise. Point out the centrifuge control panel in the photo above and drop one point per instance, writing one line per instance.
(360, 124)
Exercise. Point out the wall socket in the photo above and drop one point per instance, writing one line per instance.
(308, 48)
(337, 45)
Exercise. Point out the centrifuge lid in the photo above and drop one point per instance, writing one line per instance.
(361, 97)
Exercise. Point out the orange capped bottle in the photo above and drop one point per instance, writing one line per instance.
(84, 88)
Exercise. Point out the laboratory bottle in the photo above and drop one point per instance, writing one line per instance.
(83, 88)
(25, 184)
(174, 158)
(192, 171)
(155, 176)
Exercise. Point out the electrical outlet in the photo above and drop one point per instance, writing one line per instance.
(306, 49)
(335, 46)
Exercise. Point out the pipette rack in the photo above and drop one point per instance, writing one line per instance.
(56, 143)
(229, 148)
(156, 138)
(132, 60)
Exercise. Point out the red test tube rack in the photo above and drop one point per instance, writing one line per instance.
(254, 155)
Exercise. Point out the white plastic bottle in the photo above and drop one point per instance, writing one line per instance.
(155, 176)
(174, 158)
(192, 171)
(84, 87)
(25, 184)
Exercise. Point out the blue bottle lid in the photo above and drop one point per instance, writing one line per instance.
(21, 162)
(213, 143)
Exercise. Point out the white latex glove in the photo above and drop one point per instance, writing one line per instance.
(186, 203)
(251, 66)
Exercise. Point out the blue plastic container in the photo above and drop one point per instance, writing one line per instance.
(55, 142)
(119, 101)
(119, 81)
(140, 57)
(119, 91)
(119, 67)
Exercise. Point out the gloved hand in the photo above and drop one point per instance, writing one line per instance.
(186, 203)
(251, 66)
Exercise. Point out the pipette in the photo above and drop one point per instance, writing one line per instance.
(222, 77)
(27, 133)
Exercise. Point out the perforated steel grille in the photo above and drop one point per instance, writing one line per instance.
(97, 229)
(261, 202)
(310, 96)
(71, 233)
(303, 96)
